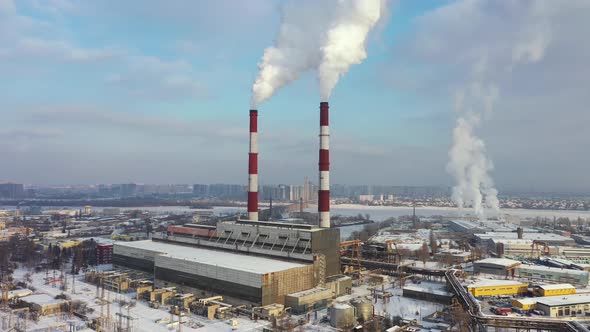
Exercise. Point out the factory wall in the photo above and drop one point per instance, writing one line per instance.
(248, 293)
(543, 273)
(264, 289)
(327, 242)
(135, 258)
(564, 309)
(278, 284)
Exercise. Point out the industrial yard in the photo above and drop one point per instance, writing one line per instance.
(192, 274)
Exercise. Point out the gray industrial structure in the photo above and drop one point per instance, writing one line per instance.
(261, 262)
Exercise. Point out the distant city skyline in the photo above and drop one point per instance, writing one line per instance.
(147, 92)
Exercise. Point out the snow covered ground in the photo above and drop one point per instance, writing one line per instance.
(144, 318)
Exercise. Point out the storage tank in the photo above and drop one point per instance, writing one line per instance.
(342, 315)
(364, 309)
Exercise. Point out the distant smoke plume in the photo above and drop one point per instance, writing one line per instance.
(327, 35)
(468, 162)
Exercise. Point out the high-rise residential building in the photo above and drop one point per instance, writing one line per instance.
(11, 190)
(200, 190)
(128, 189)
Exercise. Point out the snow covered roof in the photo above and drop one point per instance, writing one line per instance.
(498, 261)
(552, 301)
(542, 268)
(260, 265)
(42, 299)
(496, 236)
(557, 286)
(435, 291)
(493, 282)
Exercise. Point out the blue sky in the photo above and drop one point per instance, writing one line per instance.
(158, 92)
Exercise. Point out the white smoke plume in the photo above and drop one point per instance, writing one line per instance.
(468, 162)
(296, 49)
(346, 40)
(324, 35)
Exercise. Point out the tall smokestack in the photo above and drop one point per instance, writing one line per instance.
(253, 167)
(324, 165)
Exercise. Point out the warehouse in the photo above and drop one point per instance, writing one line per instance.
(45, 304)
(555, 290)
(429, 293)
(525, 304)
(497, 266)
(489, 287)
(560, 306)
(550, 239)
(552, 274)
(256, 279)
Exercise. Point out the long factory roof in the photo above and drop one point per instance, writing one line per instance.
(498, 261)
(553, 301)
(494, 282)
(498, 236)
(543, 268)
(254, 264)
(557, 286)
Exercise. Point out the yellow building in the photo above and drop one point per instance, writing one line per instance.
(525, 303)
(555, 290)
(69, 244)
(488, 287)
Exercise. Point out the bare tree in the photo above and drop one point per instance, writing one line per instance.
(424, 253)
(433, 242)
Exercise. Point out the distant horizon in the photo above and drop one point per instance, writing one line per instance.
(449, 187)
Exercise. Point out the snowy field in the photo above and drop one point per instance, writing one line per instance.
(144, 318)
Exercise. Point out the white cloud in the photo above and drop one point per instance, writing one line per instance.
(533, 52)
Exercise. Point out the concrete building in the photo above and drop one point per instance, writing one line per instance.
(256, 279)
(550, 239)
(45, 304)
(438, 295)
(11, 190)
(564, 306)
(488, 287)
(552, 274)
(497, 266)
(293, 242)
(519, 247)
(308, 300)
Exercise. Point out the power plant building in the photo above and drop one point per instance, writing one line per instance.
(257, 279)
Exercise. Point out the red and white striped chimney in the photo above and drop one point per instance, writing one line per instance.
(253, 167)
(324, 165)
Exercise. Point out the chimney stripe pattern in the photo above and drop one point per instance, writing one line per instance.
(324, 167)
(253, 167)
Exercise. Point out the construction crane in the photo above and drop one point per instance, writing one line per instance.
(391, 247)
(535, 248)
(5, 290)
(354, 246)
